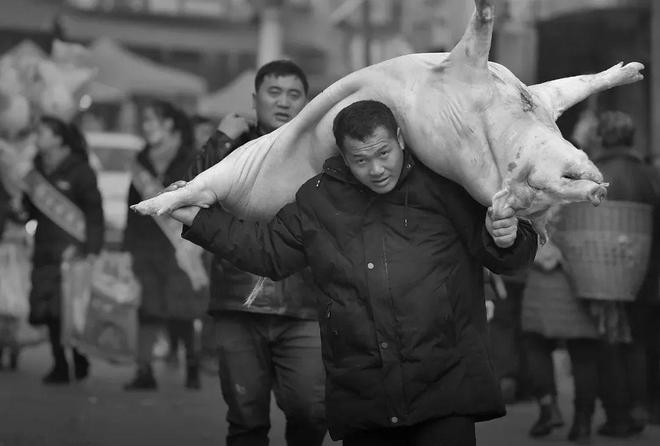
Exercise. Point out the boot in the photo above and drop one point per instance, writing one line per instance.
(549, 418)
(80, 366)
(13, 359)
(143, 380)
(640, 417)
(59, 374)
(192, 378)
(581, 429)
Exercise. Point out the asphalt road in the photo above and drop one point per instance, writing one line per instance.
(99, 413)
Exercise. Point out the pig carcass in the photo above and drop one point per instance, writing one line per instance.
(466, 118)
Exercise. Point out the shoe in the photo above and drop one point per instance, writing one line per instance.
(58, 375)
(581, 429)
(549, 418)
(143, 380)
(617, 429)
(640, 418)
(81, 368)
(13, 360)
(192, 378)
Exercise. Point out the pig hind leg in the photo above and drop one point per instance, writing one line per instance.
(561, 94)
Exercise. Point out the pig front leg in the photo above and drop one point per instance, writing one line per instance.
(561, 94)
(192, 194)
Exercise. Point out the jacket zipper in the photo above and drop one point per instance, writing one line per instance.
(397, 325)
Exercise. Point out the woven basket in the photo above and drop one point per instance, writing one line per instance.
(606, 248)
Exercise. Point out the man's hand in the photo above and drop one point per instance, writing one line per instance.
(233, 125)
(185, 215)
(503, 228)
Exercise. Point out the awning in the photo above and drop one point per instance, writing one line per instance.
(235, 97)
(134, 74)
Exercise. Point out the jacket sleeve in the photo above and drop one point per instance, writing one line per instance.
(92, 206)
(273, 249)
(214, 150)
(468, 217)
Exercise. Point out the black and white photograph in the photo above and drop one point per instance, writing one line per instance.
(329, 222)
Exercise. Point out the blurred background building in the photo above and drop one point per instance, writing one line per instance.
(203, 53)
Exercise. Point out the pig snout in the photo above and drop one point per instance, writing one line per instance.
(597, 193)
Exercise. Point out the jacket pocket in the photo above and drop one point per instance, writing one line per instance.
(445, 313)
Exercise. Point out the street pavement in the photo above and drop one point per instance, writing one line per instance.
(98, 412)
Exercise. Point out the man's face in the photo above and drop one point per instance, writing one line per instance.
(278, 100)
(375, 162)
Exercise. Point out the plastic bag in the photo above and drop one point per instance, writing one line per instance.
(99, 306)
(14, 280)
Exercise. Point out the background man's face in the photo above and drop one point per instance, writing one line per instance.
(375, 162)
(278, 100)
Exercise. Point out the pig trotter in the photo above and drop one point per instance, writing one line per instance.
(621, 74)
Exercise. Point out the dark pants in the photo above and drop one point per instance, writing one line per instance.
(261, 353)
(652, 327)
(57, 349)
(506, 337)
(450, 431)
(624, 380)
(183, 331)
(584, 365)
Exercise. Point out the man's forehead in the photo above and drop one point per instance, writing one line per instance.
(370, 143)
(287, 81)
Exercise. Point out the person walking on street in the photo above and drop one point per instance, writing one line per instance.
(172, 293)
(63, 197)
(272, 343)
(397, 252)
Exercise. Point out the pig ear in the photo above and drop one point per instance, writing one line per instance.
(469, 58)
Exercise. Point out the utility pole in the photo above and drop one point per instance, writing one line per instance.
(655, 81)
(271, 34)
(366, 31)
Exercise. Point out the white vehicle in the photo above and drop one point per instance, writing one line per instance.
(111, 155)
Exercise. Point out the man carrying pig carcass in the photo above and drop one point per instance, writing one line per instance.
(397, 252)
(272, 342)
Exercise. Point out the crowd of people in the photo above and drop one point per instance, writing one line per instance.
(361, 304)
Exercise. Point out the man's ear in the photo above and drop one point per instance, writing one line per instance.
(399, 137)
(254, 101)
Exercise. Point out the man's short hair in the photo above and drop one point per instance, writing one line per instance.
(279, 68)
(616, 128)
(360, 119)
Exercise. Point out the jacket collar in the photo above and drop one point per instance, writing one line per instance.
(336, 168)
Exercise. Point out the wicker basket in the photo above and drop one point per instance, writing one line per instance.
(606, 248)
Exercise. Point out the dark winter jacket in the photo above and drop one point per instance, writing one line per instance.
(632, 180)
(76, 180)
(295, 296)
(166, 290)
(402, 316)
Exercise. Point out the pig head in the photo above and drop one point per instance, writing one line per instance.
(467, 119)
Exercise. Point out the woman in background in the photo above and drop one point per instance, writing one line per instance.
(64, 199)
(169, 298)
